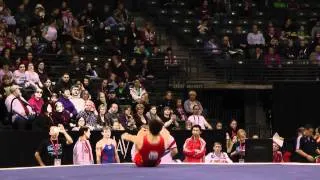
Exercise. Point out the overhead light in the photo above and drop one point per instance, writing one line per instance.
(81, 58)
(88, 37)
(240, 62)
(109, 59)
(82, 47)
(96, 59)
(123, 60)
(95, 48)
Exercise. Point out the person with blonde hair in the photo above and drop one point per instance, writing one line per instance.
(238, 149)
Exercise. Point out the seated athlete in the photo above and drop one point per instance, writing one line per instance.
(217, 156)
(150, 144)
(169, 153)
(106, 148)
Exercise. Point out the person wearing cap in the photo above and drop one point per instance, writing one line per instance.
(192, 101)
(19, 107)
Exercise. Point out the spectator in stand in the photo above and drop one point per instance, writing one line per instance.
(117, 126)
(89, 114)
(78, 102)
(289, 27)
(101, 100)
(239, 39)
(22, 113)
(47, 90)
(317, 135)
(146, 71)
(122, 93)
(217, 156)
(61, 116)
(140, 117)
(134, 69)
(167, 101)
(238, 149)
(5, 87)
(169, 119)
(80, 123)
(203, 28)
(36, 101)
(191, 102)
(90, 72)
(197, 119)
(152, 114)
(5, 58)
(106, 148)
(290, 52)
(113, 115)
(51, 151)
(303, 50)
(5, 71)
(126, 119)
(271, 33)
(132, 35)
(218, 126)
(119, 68)
(63, 83)
(258, 55)
(20, 78)
(53, 48)
(67, 104)
(170, 59)
(42, 72)
(101, 118)
(194, 147)
(82, 151)
(307, 149)
(77, 32)
(50, 32)
(76, 67)
(255, 39)
(315, 56)
(148, 35)
(85, 95)
(272, 58)
(137, 92)
(315, 30)
(33, 77)
(112, 98)
(231, 135)
(44, 120)
(121, 14)
(105, 71)
(179, 111)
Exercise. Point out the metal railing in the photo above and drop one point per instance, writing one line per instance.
(204, 65)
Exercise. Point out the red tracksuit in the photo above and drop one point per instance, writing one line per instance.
(191, 145)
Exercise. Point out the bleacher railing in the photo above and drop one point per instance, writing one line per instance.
(202, 64)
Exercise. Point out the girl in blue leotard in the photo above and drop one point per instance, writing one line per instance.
(106, 148)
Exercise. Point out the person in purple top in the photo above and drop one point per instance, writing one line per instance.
(67, 104)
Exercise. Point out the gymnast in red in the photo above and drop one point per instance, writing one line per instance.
(150, 144)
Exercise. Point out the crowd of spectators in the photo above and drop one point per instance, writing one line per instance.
(255, 33)
(30, 91)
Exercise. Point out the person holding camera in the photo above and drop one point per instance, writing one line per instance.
(51, 151)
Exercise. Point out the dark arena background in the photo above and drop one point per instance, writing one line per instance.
(246, 71)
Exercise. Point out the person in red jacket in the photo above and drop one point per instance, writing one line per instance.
(194, 147)
(36, 101)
